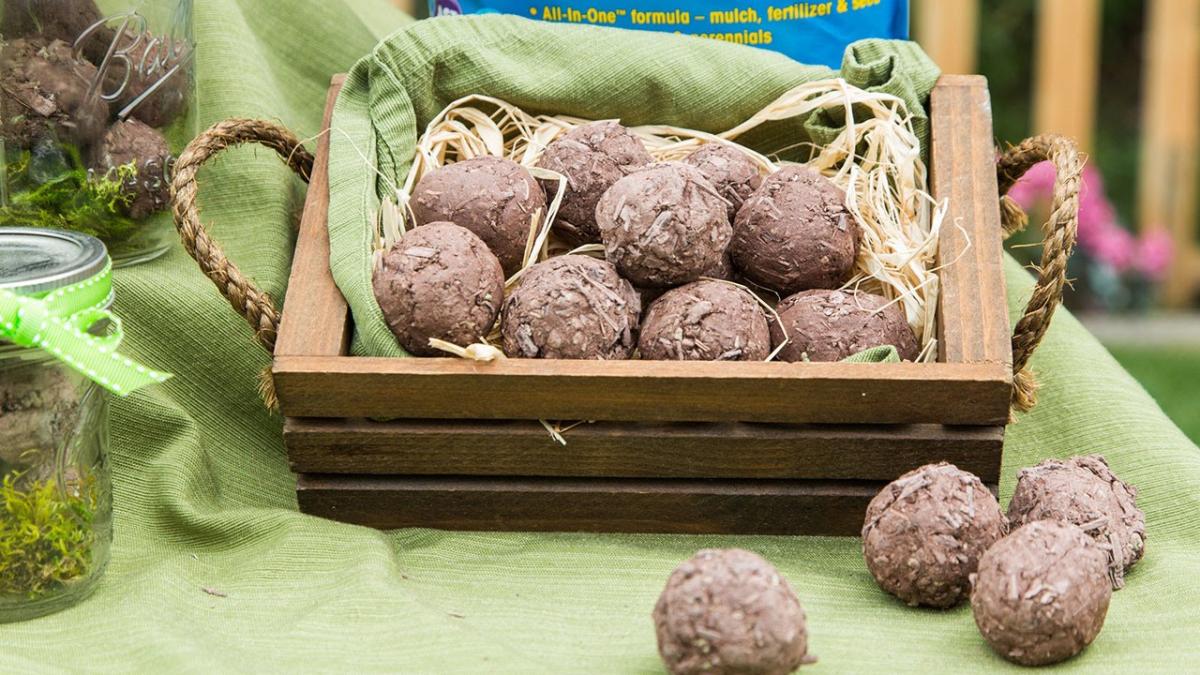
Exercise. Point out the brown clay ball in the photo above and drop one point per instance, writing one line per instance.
(795, 233)
(925, 532)
(831, 325)
(439, 281)
(1085, 492)
(571, 307)
(65, 20)
(731, 172)
(592, 157)
(705, 321)
(46, 92)
(729, 611)
(663, 226)
(131, 142)
(152, 62)
(1041, 593)
(491, 196)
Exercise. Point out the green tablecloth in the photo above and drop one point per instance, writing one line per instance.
(205, 501)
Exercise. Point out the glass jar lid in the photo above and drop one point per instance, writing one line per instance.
(34, 261)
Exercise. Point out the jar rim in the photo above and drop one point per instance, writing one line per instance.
(38, 260)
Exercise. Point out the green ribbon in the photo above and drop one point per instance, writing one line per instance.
(57, 322)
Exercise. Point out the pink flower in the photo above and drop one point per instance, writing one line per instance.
(1154, 254)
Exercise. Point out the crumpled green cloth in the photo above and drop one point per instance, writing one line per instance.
(638, 77)
(205, 502)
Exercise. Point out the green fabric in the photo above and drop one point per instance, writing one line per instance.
(204, 498)
(880, 354)
(638, 77)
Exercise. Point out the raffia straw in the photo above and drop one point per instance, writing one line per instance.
(875, 159)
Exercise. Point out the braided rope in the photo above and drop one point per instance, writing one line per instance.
(1059, 232)
(246, 298)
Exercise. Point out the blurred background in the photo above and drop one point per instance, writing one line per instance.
(1122, 77)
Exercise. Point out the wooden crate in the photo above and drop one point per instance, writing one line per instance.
(672, 446)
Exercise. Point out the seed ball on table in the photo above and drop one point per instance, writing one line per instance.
(705, 320)
(1041, 593)
(46, 93)
(831, 325)
(1085, 492)
(730, 611)
(491, 196)
(133, 143)
(439, 281)
(795, 233)
(925, 532)
(571, 307)
(663, 226)
(731, 172)
(592, 157)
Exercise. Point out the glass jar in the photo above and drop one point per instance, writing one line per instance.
(55, 486)
(95, 99)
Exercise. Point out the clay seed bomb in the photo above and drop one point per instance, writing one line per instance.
(925, 532)
(46, 92)
(571, 307)
(705, 320)
(439, 281)
(132, 142)
(731, 172)
(729, 611)
(795, 233)
(663, 226)
(1085, 492)
(1041, 593)
(592, 157)
(831, 325)
(491, 196)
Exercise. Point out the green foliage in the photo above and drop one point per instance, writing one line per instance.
(58, 192)
(46, 538)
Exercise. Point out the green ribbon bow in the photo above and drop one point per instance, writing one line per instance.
(57, 322)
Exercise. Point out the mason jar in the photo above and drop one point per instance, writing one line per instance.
(55, 486)
(95, 100)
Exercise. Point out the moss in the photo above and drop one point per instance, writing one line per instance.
(46, 536)
(48, 188)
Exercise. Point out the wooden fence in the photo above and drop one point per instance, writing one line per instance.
(1066, 75)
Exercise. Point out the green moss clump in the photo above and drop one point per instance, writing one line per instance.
(46, 539)
(49, 188)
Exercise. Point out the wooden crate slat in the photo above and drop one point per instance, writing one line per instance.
(636, 450)
(883, 393)
(972, 310)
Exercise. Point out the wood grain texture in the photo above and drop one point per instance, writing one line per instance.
(972, 312)
(636, 450)
(315, 317)
(1067, 69)
(557, 505)
(827, 393)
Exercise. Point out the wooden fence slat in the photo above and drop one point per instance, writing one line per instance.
(1067, 68)
(1171, 138)
(948, 31)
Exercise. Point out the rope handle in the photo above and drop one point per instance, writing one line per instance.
(1059, 234)
(246, 298)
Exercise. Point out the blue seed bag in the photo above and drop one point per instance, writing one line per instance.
(810, 32)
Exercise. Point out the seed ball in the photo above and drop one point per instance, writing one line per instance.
(729, 611)
(571, 307)
(148, 189)
(795, 233)
(439, 281)
(592, 157)
(731, 172)
(663, 226)
(491, 196)
(65, 20)
(154, 62)
(46, 92)
(1085, 492)
(705, 321)
(831, 325)
(925, 531)
(1041, 593)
